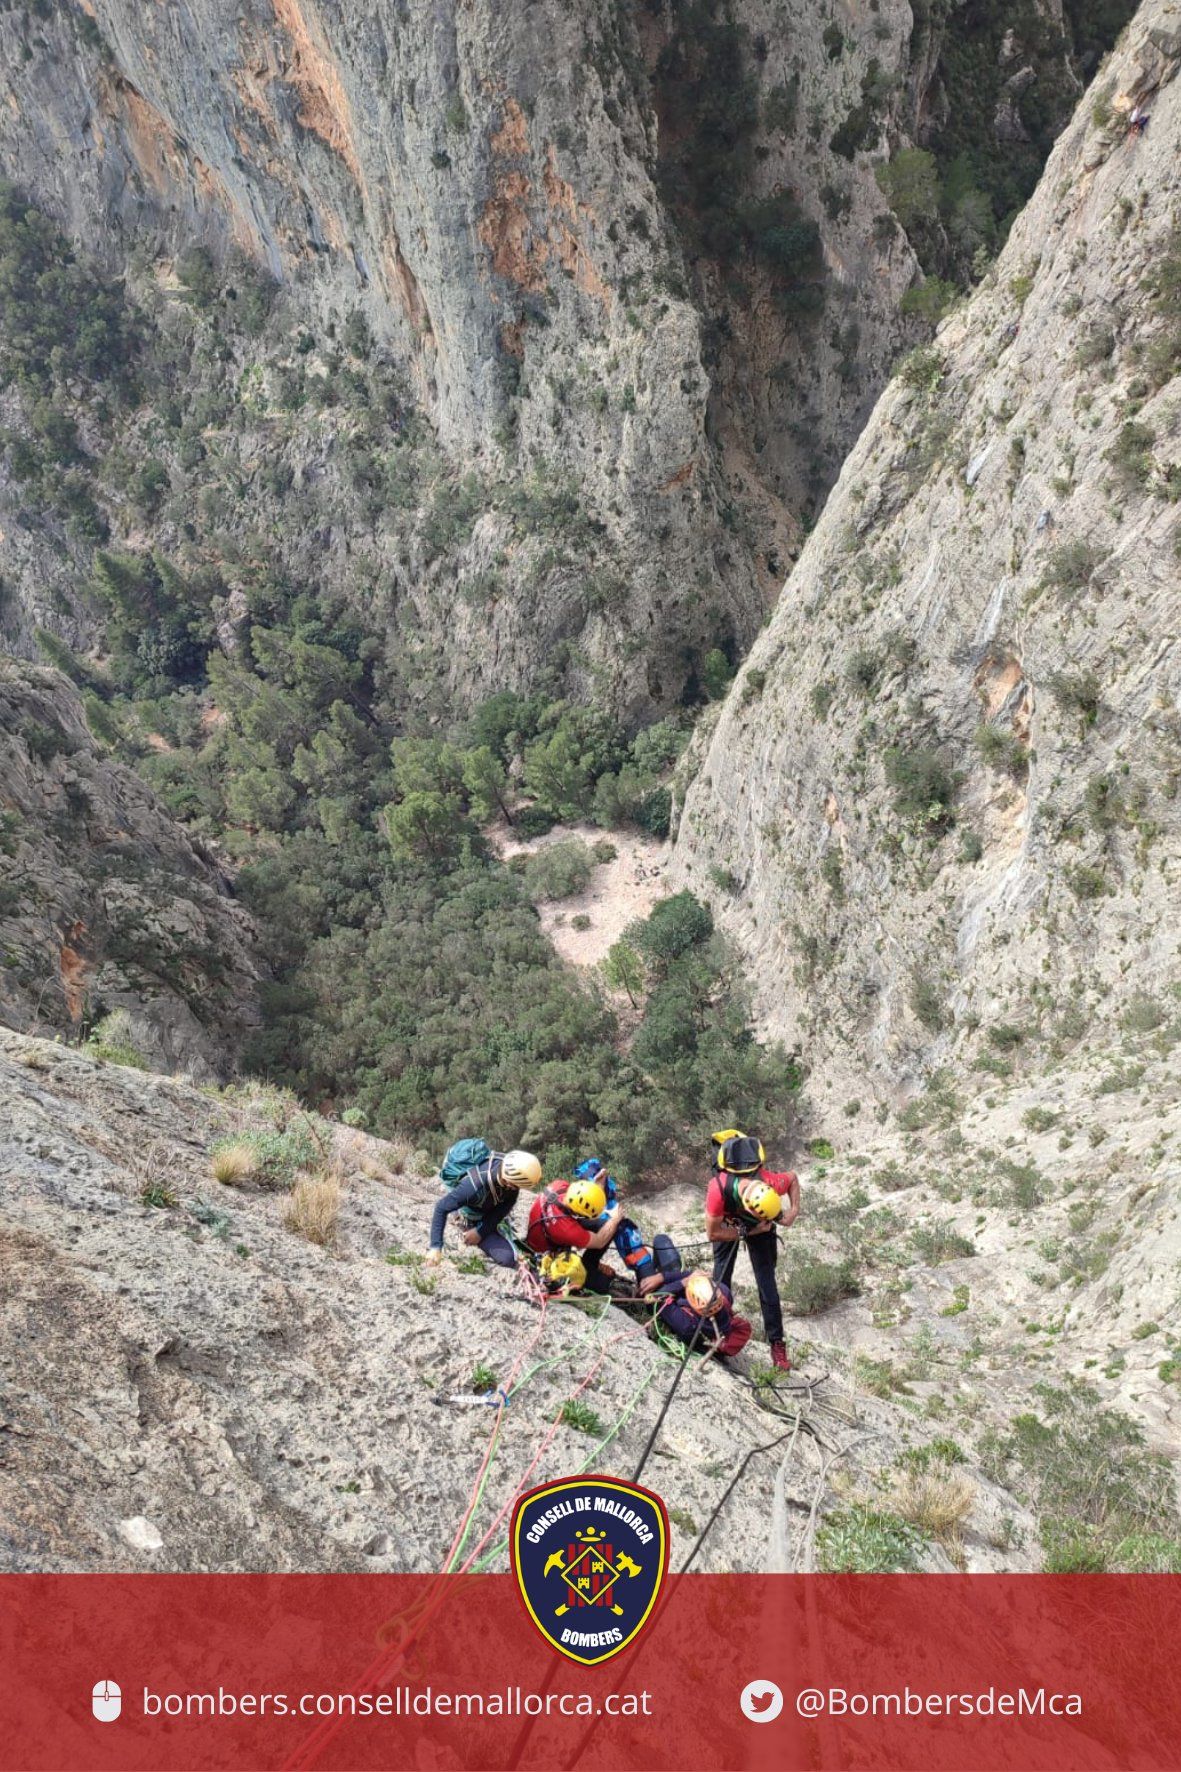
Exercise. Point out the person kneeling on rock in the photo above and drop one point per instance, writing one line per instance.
(484, 1199)
(697, 1309)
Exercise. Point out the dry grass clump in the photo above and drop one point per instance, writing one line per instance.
(372, 1170)
(234, 1162)
(313, 1210)
(34, 1059)
(399, 1155)
(254, 1100)
(937, 1499)
(380, 1159)
(270, 1159)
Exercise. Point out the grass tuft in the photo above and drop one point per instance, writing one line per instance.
(937, 1499)
(234, 1162)
(313, 1210)
(577, 1414)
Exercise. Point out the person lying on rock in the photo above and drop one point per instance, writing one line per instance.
(628, 1240)
(484, 1198)
(743, 1204)
(695, 1308)
(574, 1215)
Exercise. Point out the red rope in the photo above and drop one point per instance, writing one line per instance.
(416, 1618)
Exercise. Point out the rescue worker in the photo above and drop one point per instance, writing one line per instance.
(628, 1240)
(745, 1204)
(693, 1300)
(573, 1215)
(484, 1199)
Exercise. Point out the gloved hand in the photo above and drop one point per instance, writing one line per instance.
(433, 1257)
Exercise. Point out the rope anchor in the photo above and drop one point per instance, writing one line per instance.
(497, 1399)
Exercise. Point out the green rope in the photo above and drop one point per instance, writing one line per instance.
(545, 1365)
(525, 1378)
(497, 1550)
(667, 1339)
(483, 1484)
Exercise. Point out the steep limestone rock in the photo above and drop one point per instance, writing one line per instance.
(105, 903)
(481, 190)
(172, 1353)
(750, 98)
(939, 811)
(633, 266)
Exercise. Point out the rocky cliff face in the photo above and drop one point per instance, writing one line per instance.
(105, 903)
(939, 810)
(493, 347)
(186, 1383)
(478, 184)
(632, 269)
(254, 1399)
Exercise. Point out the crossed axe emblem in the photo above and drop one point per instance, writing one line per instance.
(579, 1567)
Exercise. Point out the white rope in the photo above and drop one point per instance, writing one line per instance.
(779, 1560)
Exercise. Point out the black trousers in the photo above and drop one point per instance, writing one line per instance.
(595, 1281)
(668, 1256)
(495, 1232)
(763, 1250)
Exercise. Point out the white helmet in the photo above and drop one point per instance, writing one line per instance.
(521, 1169)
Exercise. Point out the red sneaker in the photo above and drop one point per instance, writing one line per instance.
(779, 1357)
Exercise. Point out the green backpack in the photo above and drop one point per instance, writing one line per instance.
(467, 1154)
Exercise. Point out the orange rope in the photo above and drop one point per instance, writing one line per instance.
(416, 1617)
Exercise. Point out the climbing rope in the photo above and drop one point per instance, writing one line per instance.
(798, 1425)
(516, 1382)
(592, 1457)
(399, 1633)
(410, 1624)
(464, 1527)
(667, 1404)
(547, 1440)
(493, 1438)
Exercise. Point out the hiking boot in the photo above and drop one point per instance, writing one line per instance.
(779, 1357)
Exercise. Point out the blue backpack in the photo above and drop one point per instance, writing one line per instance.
(467, 1154)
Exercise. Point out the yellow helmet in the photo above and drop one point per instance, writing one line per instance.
(566, 1269)
(761, 1199)
(702, 1295)
(521, 1169)
(586, 1198)
(738, 1153)
(724, 1137)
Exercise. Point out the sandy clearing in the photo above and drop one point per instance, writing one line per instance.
(619, 891)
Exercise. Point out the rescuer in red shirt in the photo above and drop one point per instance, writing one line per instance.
(747, 1203)
(573, 1215)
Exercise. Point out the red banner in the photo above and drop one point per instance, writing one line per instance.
(1029, 1673)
